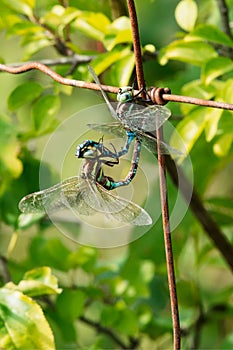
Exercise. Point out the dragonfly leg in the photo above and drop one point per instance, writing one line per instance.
(111, 184)
(130, 137)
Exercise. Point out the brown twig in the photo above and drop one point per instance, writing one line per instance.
(225, 17)
(101, 329)
(136, 45)
(198, 209)
(17, 69)
(163, 186)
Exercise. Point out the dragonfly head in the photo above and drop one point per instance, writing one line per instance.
(87, 150)
(125, 94)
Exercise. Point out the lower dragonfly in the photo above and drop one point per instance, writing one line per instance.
(135, 120)
(90, 193)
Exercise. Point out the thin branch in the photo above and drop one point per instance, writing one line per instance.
(198, 209)
(101, 329)
(168, 242)
(50, 62)
(163, 186)
(225, 17)
(136, 45)
(81, 84)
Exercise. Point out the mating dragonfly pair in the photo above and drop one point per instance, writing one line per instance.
(90, 193)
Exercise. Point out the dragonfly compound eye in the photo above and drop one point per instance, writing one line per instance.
(125, 94)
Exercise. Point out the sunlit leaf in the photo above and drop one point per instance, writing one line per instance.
(122, 70)
(210, 33)
(212, 119)
(84, 257)
(39, 281)
(23, 325)
(215, 68)
(226, 92)
(92, 24)
(105, 60)
(186, 14)
(33, 43)
(189, 129)
(223, 144)
(44, 110)
(23, 94)
(24, 7)
(118, 32)
(24, 28)
(196, 88)
(193, 52)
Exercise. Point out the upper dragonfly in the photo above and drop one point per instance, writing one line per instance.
(134, 120)
(90, 193)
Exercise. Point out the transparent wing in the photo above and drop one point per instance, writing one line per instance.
(137, 117)
(148, 141)
(122, 209)
(88, 198)
(64, 195)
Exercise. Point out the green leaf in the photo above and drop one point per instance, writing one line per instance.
(43, 112)
(221, 209)
(212, 121)
(34, 42)
(24, 7)
(227, 91)
(122, 70)
(106, 59)
(216, 67)
(84, 257)
(50, 252)
(210, 33)
(121, 318)
(186, 14)
(70, 304)
(197, 89)
(118, 32)
(39, 281)
(24, 28)
(223, 144)
(23, 325)
(189, 129)
(23, 94)
(94, 25)
(10, 165)
(193, 52)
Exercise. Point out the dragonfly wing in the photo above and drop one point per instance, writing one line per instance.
(148, 141)
(67, 194)
(151, 143)
(96, 79)
(123, 210)
(116, 129)
(144, 118)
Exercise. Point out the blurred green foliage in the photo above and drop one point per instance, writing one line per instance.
(116, 298)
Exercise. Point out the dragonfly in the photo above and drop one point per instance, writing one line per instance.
(90, 192)
(135, 120)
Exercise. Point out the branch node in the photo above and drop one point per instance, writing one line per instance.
(156, 95)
